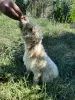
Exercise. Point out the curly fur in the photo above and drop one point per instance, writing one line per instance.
(35, 58)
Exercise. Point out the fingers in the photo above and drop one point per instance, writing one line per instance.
(14, 14)
(9, 8)
(11, 13)
(16, 8)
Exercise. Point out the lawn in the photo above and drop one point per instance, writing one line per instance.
(59, 43)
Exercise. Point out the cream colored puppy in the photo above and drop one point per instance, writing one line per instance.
(35, 58)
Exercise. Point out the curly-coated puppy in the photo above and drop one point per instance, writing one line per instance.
(35, 58)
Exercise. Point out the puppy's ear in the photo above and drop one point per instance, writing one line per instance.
(24, 21)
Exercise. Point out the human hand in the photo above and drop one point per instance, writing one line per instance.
(9, 8)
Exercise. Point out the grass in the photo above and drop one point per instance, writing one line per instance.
(59, 43)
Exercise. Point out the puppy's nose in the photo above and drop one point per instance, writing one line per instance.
(24, 20)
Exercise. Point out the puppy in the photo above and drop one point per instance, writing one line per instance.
(35, 58)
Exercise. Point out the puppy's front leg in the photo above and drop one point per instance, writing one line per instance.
(36, 78)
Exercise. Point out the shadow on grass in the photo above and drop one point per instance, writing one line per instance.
(61, 49)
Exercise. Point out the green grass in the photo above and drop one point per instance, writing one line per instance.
(59, 43)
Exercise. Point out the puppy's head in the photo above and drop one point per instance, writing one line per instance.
(31, 32)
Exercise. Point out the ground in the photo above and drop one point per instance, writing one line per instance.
(59, 43)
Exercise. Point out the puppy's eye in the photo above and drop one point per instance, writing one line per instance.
(30, 29)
